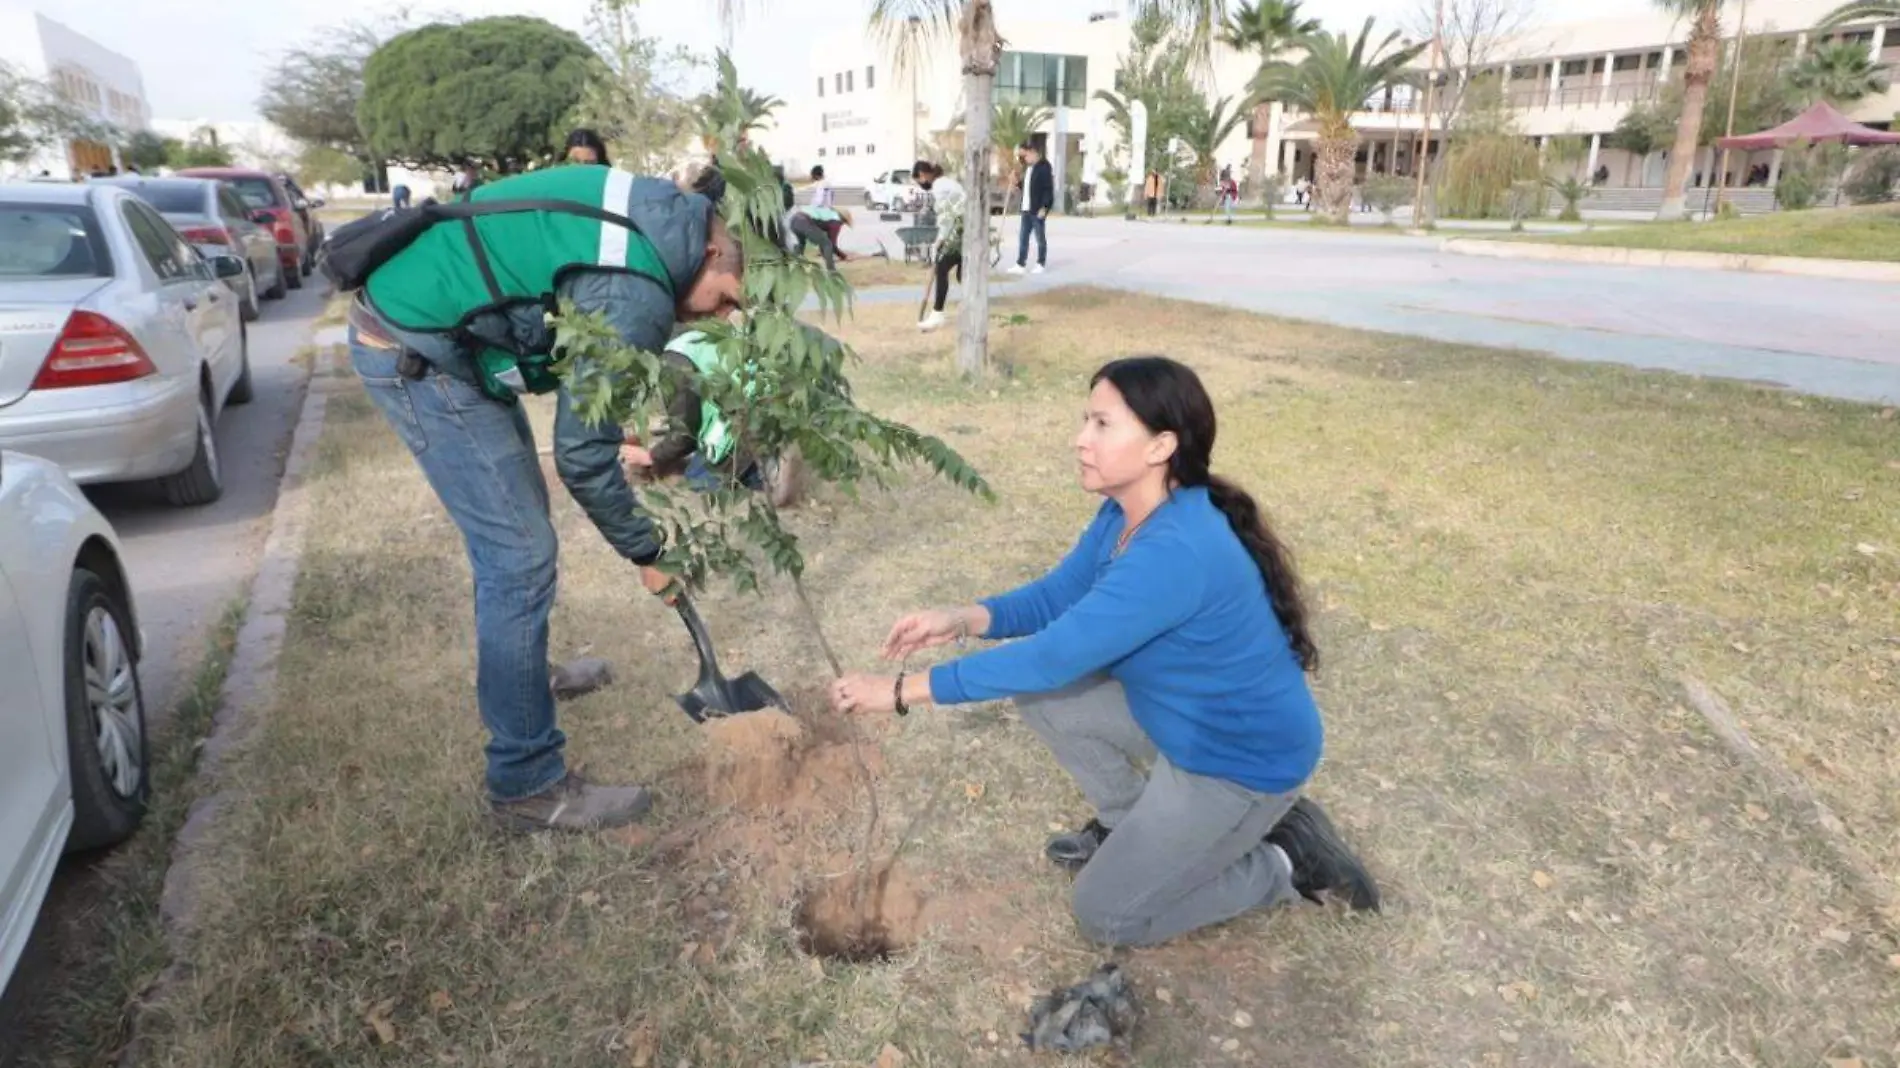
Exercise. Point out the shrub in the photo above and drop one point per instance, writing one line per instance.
(1875, 177)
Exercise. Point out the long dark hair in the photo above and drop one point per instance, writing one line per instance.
(1168, 397)
(582, 137)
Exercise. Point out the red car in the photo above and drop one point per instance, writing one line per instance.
(273, 207)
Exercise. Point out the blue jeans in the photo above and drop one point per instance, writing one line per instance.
(479, 457)
(701, 477)
(1033, 224)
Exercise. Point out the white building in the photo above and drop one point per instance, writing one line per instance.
(252, 144)
(103, 83)
(858, 117)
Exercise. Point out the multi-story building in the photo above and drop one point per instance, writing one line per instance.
(860, 117)
(101, 83)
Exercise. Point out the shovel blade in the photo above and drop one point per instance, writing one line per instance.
(748, 693)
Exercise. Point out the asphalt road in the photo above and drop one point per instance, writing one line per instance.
(186, 566)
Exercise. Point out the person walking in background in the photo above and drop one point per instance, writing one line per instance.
(1039, 195)
(1151, 191)
(585, 146)
(399, 196)
(820, 189)
(947, 200)
(821, 227)
(1228, 193)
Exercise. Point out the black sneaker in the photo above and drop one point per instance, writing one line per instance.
(1072, 851)
(1321, 861)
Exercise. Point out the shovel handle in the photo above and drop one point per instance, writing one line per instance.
(702, 643)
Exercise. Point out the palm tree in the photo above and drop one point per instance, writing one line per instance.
(731, 106)
(1333, 80)
(906, 28)
(1861, 11)
(1266, 30)
(1705, 44)
(1839, 72)
(1209, 128)
(1012, 125)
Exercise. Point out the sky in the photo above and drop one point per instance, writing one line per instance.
(207, 60)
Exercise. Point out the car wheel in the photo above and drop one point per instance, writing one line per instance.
(309, 262)
(294, 276)
(105, 716)
(242, 392)
(203, 481)
(250, 309)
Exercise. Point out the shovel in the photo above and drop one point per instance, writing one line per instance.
(714, 695)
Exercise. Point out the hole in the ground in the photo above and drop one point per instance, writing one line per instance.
(857, 920)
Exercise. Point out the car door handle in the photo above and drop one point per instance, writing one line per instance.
(211, 297)
(190, 304)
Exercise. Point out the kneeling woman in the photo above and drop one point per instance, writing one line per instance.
(1172, 636)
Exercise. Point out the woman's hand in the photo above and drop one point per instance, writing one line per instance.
(863, 694)
(924, 630)
(656, 582)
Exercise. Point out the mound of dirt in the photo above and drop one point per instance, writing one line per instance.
(853, 919)
(773, 762)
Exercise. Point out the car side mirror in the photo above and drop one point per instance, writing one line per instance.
(315, 202)
(227, 266)
(300, 204)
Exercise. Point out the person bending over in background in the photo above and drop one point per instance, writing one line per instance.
(1174, 634)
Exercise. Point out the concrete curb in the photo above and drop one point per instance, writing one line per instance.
(249, 687)
(1852, 270)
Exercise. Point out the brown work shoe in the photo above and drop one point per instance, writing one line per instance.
(573, 804)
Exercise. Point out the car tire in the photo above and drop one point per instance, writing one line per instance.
(203, 481)
(293, 276)
(105, 716)
(276, 290)
(242, 391)
(250, 307)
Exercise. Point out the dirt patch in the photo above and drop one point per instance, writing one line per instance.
(860, 920)
(792, 785)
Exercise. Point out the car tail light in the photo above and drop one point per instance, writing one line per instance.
(206, 235)
(285, 235)
(93, 350)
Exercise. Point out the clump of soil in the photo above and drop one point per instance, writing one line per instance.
(772, 761)
(858, 920)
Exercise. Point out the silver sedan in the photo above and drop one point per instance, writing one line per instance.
(120, 344)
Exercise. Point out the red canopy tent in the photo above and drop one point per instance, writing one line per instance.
(1817, 125)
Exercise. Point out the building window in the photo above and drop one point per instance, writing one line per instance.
(821, 85)
(850, 81)
(870, 150)
(1629, 63)
(837, 83)
(821, 153)
(1596, 65)
(824, 124)
(870, 77)
(1034, 78)
(1573, 67)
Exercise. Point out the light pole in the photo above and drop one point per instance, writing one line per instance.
(1734, 89)
(916, 28)
(1431, 93)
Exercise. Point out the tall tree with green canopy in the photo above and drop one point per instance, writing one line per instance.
(1331, 81)
(1209, 127)
(1705, 46)
(1267, 30)
(312, 93)
(497, 90)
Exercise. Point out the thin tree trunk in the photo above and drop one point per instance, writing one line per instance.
(981, 46)
(1705, 40)
(1257, 166)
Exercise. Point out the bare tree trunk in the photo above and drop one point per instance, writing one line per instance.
(1334, 175)
(1257, 166)
(981, 47)
(1705, 39)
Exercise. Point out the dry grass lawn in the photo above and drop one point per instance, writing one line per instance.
(1518, 560)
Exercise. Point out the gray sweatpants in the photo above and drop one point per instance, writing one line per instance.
(1188, 850)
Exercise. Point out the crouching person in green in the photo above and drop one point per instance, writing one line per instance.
(446, 335)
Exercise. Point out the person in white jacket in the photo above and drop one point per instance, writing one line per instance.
(947, 200)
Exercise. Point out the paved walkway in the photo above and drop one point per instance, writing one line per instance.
(1822, 336)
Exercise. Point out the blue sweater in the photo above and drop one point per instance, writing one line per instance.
(1182, 620)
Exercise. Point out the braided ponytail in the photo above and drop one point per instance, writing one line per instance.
(1275, 561)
